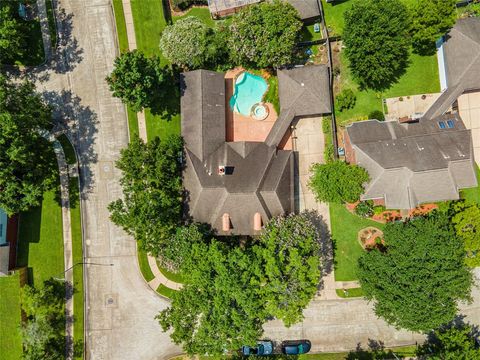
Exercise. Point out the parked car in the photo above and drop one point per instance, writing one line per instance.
(296, 347)
(262, 348)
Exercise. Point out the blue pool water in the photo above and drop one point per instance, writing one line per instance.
(249, 90)
(3, 227)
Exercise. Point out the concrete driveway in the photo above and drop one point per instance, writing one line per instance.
(121, 307)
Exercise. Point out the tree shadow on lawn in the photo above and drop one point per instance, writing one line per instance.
(166, 100)
(376, 350)
(326, 245)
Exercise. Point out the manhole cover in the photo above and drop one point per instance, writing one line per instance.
(111, 300)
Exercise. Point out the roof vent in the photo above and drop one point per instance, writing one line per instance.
(257, 222)
(303, 84)
(221, 170)
(226, 222)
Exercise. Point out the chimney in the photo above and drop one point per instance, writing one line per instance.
(257, 222)
(226, 222)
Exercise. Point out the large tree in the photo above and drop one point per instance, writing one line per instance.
(12, 36)
(188, 43)
(27, 162)
(217, 309)
(377, 41)
(43, 332)
(417, 281)
(230, 290)
(289, 259)
(338, 182)
(431, 19)
(138, 80)
(265, 35)
(467, 225)
(455, 342)
(150, 209)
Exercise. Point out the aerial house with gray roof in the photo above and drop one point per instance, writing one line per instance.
(236, 187)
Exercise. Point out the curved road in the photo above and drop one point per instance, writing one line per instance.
(121, 306)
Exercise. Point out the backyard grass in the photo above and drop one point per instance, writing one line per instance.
(10, 336)
(76, 224)
(472, 194)
(309, 34)
(350, 293)
(345, 227)
(144, 267)
(165, 291)
(40, 240)
(420, 77)
(202, 13)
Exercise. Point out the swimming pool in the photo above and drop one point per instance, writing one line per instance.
(249, 90)
(3, 227)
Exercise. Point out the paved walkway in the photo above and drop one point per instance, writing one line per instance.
(132, 45)
(159, 277)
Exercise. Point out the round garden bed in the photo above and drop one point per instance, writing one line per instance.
(370, 238)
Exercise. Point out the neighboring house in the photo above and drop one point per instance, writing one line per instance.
(236, 187)
(8, 241)
(427, 157)
(309, 10)
(412, 163)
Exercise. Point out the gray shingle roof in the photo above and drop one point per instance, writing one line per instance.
(223, 5)
(414, 163)
(462, 62)
(307, 9)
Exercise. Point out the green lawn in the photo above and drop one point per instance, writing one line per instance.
(51, 23)
(350, 293)
(421, 77)
(308, 33)
(68, 149)
(472, 194)
(345, 227)
(10, 336)
(201, 13)
(143, 263)
(178, 278)
(120, 23)
(334, 14)
(149, 22)
(76, 223)
(40, 245)
(34, 53)
(165, 291)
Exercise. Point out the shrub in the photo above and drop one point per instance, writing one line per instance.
(185, 4)
(364, 208)
(378, 209)
(377, 114)
(345, 100)
(338, 182)
(327, 125)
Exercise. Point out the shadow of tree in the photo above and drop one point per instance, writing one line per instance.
(375, 351)
(326, 244)
(79, 123)
(165, 101)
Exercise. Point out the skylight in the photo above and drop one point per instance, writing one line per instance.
(441, 125)
(450, 124)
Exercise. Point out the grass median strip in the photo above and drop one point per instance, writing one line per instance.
(165, 291)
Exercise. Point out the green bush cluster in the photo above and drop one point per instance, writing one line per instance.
(364, 208)
(345, 100)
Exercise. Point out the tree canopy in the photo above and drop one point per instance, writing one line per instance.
(232, 289)
(44, 330)
(377, 42)
(265, 35)
(467, 225)
(27, 163)
(12, 37)
(188, 43)
(152, 187)
(431, 19)
(417, 281)
(455, 342)
(289, 259)
(338, 182)
(138, 80)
